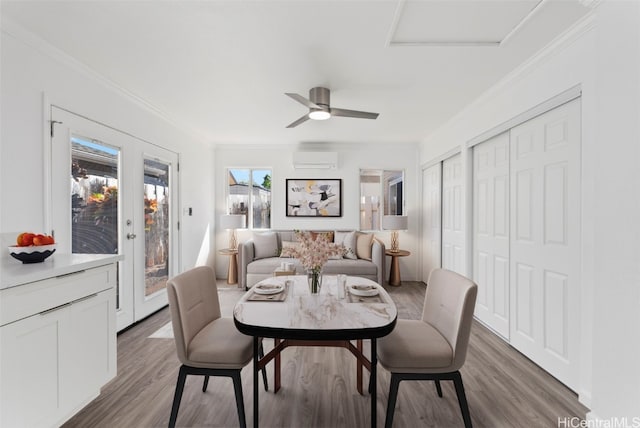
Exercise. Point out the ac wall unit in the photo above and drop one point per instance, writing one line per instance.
(315, 160)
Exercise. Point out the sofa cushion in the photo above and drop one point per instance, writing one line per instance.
(363, 245)
(288, 248)
(268, 265)
(348, 240)
(265, 245)
(332, 267)
(350, 267)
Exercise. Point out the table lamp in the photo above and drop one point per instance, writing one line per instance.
(232, 222)
(395, 223)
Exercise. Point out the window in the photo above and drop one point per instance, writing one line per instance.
(250, 195)
(381, 193)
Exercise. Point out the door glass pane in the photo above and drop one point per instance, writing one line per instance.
(94, 198)
(157, 225)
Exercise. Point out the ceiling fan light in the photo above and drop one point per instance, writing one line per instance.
(319, 115)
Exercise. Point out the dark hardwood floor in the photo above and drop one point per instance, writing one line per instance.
(504, 389)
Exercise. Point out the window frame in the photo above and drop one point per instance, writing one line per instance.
(250, 194)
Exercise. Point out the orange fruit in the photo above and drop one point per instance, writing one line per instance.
(19, 239)
(27, 239)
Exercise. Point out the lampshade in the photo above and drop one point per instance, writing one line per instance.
(395, 222)
(232, 221)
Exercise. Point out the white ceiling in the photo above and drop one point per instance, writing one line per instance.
(220, 68)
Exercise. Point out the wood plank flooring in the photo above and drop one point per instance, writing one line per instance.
(504, 389)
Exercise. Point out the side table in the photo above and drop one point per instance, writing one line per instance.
(394, 272)
(232, 273)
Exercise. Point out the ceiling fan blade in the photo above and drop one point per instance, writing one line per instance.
(302, 100)
(299, 121)
(353, 113)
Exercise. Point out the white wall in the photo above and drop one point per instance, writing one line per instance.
(29, 68)
(602, 56)
(351, 158)
(616, 318)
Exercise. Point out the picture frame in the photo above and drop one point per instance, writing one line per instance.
(314, 197)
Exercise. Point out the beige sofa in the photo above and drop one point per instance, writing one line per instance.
(258, 261)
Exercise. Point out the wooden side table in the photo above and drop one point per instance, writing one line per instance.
(394, 272)
(232, 273)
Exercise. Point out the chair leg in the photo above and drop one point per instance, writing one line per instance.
(237, 386)
(438, 388)
(462, 399)
(264, 369)
(206, 383)
(182, 376)
(393, 395)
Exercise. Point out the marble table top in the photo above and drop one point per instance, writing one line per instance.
(324, 316)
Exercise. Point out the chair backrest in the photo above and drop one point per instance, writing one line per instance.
(448, 306)
(193, 302)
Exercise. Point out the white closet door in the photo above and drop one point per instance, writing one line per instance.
(491, 232)
(545, 247)
(431, 199)
(452, 215)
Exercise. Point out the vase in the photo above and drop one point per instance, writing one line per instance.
(314, 277)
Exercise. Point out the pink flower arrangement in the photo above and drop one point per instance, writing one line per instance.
(314, 251)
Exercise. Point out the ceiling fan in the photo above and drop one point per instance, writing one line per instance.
(319, 108)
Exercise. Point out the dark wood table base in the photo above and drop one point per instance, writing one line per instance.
(281, 344)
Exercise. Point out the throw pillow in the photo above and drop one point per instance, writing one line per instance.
(363, 245)
(348, 240)
(288, 247)
(265, 245)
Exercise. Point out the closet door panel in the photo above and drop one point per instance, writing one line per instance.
(453, 257)
(545, 232)
(491, 232)
(432, 203)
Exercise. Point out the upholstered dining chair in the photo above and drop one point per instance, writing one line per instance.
(206, 343)
(435, 347)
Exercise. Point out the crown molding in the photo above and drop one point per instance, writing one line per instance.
(33, 41)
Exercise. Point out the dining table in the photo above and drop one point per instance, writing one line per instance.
(346, 310)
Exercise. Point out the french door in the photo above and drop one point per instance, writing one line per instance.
(113, 193)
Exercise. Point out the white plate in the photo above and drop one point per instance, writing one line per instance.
(268, 288)
(363, 290)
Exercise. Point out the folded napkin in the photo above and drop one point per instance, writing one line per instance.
(363, 287)
(269, 286)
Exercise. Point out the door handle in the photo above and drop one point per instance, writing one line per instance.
(131, 236)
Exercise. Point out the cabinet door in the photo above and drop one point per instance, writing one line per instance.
(30, 369)
(88, 349)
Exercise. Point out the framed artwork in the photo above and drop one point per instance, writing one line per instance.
(314, 197)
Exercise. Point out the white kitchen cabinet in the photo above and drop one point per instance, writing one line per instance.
(55, 356)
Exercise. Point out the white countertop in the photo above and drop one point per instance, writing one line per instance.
(14, 273)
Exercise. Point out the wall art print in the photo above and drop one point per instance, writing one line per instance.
(314, 197)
